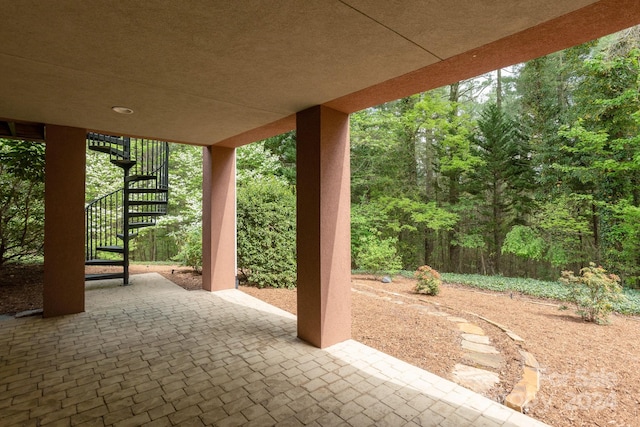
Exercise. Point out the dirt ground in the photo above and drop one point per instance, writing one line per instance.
(590, 373)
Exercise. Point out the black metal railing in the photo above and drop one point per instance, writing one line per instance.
(151, 159)
(104, 221)
(118, 148)
(148, 181)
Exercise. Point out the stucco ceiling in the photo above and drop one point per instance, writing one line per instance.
(229, 72)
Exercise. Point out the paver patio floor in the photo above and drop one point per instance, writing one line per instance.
(154, 354)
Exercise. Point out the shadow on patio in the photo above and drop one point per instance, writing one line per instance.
(155, 354)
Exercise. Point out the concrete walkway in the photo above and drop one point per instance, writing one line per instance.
(154, 354)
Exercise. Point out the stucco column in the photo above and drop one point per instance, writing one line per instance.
(219, 218)
(64, 228)
(323, 226)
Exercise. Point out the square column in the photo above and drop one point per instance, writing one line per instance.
(64, 220)
(219, 218)
(323, 226)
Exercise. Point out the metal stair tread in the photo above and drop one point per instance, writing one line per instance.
(136, 214)
(111, 248)
(104, 262)
(147, 202)
(148, 190)
(131, 235)
(100, 148)
(125, 163)
(135, 178)
(110, 150)
(103, 276)
(141, 224)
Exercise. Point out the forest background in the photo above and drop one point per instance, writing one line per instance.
(523, 172)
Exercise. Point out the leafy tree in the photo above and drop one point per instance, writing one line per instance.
(453, 163)
(383, 156)
(21, 199)
(254, 162)
(170, 237)
(101, 176)
(625, 232)
(523, 241)
(410, 219)
(284, 148)
(374, 148)
(418, 147)
(378, 256)
(558, 233)
(368, 222)
(546, 101)
(600, 150)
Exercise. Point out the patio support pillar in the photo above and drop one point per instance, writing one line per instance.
(64, 227)
(219, 218)
(323, 226)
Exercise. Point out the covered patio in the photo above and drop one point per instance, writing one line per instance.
(155, 354)
(221, 75)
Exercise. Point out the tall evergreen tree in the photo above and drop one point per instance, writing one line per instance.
(503, 184)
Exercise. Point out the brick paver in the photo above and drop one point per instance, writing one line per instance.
(154, 354)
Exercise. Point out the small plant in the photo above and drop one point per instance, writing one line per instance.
(429, 280)
(190, 253)
(594, 292)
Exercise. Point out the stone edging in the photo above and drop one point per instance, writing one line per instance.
(525, 390)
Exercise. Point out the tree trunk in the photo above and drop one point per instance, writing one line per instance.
(496, 222)
(596, 234)
(454, 195)
(454, 250)
(428, 249)
(499, 88)
(484, 266)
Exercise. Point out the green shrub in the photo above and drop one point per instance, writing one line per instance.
(267, 233)
(190, 252)
(594, 292)
(22, 200)
(378, 256)
(429, 280)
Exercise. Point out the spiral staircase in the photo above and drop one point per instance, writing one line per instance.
(114, 219)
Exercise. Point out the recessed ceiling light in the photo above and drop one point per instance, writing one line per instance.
(122, 110)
